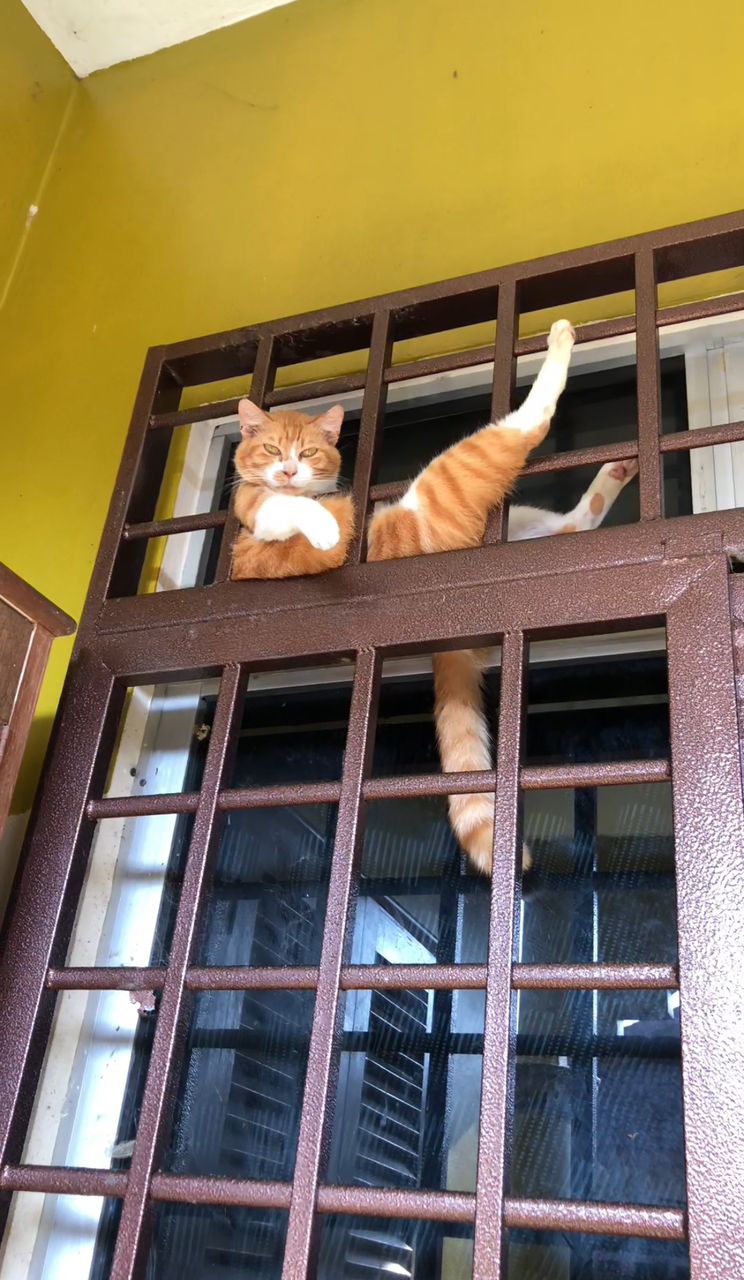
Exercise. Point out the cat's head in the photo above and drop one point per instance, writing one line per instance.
(289, 452)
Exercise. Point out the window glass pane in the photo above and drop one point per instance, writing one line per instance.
(267, 900)
(87, 1104)
(408, 1095)
(382, 1247)
(238, 1110)
(214, 1242)
(545, 1255)
(52, 1237)
(598, 1097)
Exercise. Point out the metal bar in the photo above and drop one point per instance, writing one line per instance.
(176, 524)
(377, 1202)
(317, 1104)
(276, 796)
(199, 413)
(502, 390)
(597, 331)
(244, 978)
(117, 567)
(261, 382)
(413, 977)
(489, 1257)
(324, 388)
(109, 979)
(594, 977)
(709, 858)
(727, 434)
(649, 390)
(59, 1181)
(642, 1221)
(143, 806)
(370, 427)
(239, 1192)
(619, 773)
(132, 1239)
(37, 934)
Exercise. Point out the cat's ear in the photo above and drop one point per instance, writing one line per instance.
(252, 419)
(330, 423)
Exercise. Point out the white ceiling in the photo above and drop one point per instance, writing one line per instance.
(92, 34)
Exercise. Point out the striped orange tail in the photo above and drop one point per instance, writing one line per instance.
(464, 746)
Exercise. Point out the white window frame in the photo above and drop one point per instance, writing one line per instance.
(82, 1083)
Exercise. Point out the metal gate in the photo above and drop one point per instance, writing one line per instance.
(659, 572)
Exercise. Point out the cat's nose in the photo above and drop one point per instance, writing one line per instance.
(289, 467)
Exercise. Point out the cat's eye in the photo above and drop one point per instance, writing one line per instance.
(271, 448)
(308, 453)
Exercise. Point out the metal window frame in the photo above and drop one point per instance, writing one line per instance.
(660, 572)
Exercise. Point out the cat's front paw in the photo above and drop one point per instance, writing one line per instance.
(561, 338)
(623, 471)
(321, 529)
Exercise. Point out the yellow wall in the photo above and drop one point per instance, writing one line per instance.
(325, 151)
(36, 86)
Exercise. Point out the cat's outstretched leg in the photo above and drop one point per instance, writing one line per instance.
(593, 506)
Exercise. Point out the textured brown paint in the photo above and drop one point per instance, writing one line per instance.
(317, 1102)
(133, 1237)
(655, 571)
(649, 386)
(489, 1259)
(502, 390)
(370, 427)
(709, 843)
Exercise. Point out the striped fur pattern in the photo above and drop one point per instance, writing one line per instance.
(287, 512)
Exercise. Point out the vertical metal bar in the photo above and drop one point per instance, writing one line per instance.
(648, 381)
(131, 1245)
(489, 1262)
(370, 426)
(119, 565)
(262, 382)
(317, 1104)
(709, 845)
(502, 392)
(46, 894)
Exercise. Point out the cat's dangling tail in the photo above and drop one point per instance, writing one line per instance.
(464, 746)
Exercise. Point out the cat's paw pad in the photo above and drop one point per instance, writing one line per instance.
(623, 471)
(321, 530)
(561, 338)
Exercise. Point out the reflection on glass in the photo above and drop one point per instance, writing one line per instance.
(408, 1097)
(51, 1237)
(598, 1097)
(268, 895)
(382, 1247)
(90, 1087)
(239, 1103)
(192, 1242)
(545, 1255)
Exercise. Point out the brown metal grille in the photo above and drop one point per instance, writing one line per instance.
(671, 571)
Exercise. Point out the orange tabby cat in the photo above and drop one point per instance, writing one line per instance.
(293, 523)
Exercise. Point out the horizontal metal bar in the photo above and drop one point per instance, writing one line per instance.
(700, 310)
(414, 977)
(388, 492)
(611, 774)
(57, 1180)
(143, 806)
(379, 1202)
(323, 389)
(594, 457)
(642, 1221)
(597, 331)
(238, 1192)
(244, 978)
(429, 784)
(434, 977)
(176, 524)
(728, 433)
(199, 413)
(594, 977)
(114, 978)
(293, 793)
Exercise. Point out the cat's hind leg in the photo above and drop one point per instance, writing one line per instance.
(593, 506)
